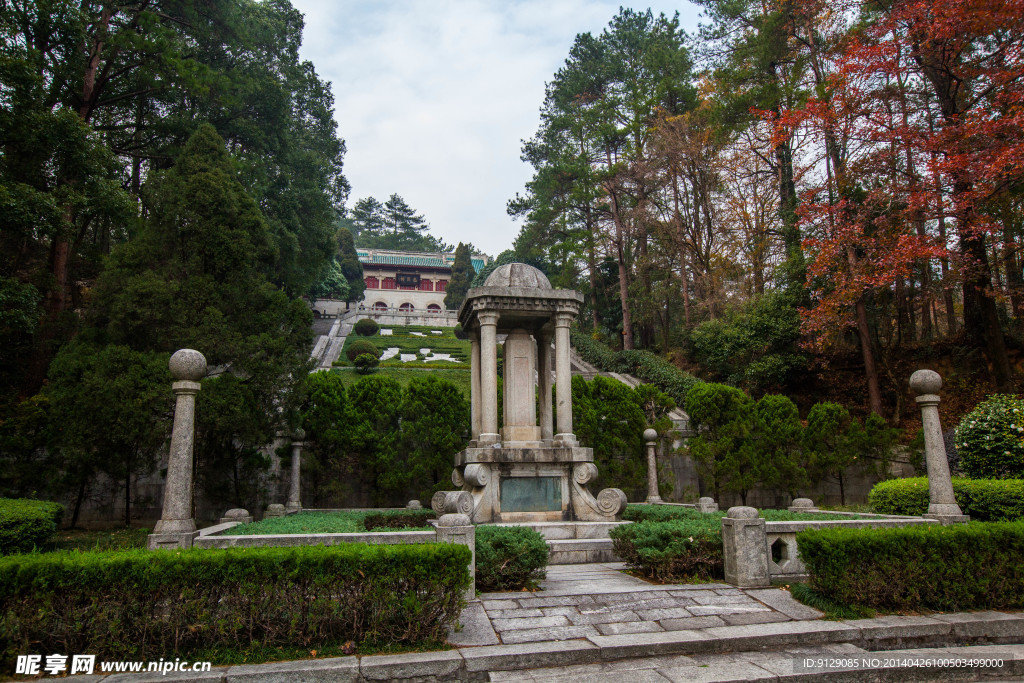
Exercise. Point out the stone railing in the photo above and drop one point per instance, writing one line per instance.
(758, 553)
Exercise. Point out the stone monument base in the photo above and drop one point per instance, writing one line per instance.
(172, 540)
(534, 484)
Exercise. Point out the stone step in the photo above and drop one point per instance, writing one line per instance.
(580, 551)
(846, 663)
(568, 530)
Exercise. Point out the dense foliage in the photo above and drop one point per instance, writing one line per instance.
(990, 438)
(985, 500)
(366, 327)
(26, 525)
(953, 568)
(359, 347)
(146, 605)
(378, 442)
(462, 276)
(642, 364)
(509, 558)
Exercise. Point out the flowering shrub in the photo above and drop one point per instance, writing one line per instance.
(990, 439)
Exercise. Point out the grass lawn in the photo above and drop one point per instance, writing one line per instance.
(404, 339)
(458, 376)
(313, 522)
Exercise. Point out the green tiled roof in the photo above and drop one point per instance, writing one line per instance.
(389, 260)
(478, 263)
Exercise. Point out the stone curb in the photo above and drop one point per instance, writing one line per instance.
(889, 633)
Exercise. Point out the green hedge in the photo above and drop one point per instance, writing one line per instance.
(676, 550)
(946, 568)
(27, 524)
(985, 500)
(643, 365)
(400, 519)
(146, 605)
(509, 558)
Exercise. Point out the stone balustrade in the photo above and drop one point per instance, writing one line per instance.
(758, 553)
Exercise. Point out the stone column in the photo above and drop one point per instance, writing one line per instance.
(651, 436)
(942, 504)
(488, 378)
(544, 386)
(563, 381)
(474, 382)
(457, 528)
(177, 527)
(745, 548)
(295, 492)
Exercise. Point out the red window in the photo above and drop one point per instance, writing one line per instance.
(434, 308)
(380, 306)
(406, 308)
(372, 282)
(426, 286)
(442, 285)
(389, 283)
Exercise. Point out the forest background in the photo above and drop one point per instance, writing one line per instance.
(804, 198)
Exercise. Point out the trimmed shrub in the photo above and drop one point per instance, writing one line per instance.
(145, 605)
(985, 500)
(459, 332)
(642, 364)
(365, 363)
(367, 327)
(509, 558)
(398, 519)
(27, 524)
(359, 347)
(946, 568)
(672, 551)
(990, 439)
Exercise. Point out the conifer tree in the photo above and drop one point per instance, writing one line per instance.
(462, 276)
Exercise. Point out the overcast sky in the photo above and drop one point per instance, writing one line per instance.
(434, 97)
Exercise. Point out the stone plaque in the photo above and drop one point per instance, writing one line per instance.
(531, 494)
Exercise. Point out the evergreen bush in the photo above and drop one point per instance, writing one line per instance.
(990, 439)
(509, 558)
(146, 605)
(365, 363)
(985, 500)
(644, 365)
(367, 327)
(27, 524)
(359, 347)
(397, 519)
(459, 332)
(972, 566)
(675, 550)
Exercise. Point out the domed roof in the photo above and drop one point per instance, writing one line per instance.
(517, 275)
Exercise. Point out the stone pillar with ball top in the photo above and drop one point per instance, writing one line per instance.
(177, 526)
(942, 503)
(530, 470)
(651, 437)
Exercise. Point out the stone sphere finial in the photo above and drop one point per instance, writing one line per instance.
(299, 434)
(650, 435)
(187, 364)
(925, 382)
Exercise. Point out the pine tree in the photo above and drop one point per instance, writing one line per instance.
(462, 276)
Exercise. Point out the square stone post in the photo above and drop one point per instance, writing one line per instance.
(457, 528)
(544, 386)
(745, 548)
(474, 382)
(563, 381)
(177, 527)
(488, 378)
(942, 503)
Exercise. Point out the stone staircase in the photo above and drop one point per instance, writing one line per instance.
(574, 542)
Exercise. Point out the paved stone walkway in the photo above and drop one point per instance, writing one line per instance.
(581, 601)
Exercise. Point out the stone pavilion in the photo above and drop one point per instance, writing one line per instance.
(532, 469)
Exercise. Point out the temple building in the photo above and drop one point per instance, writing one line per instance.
(408, 281)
